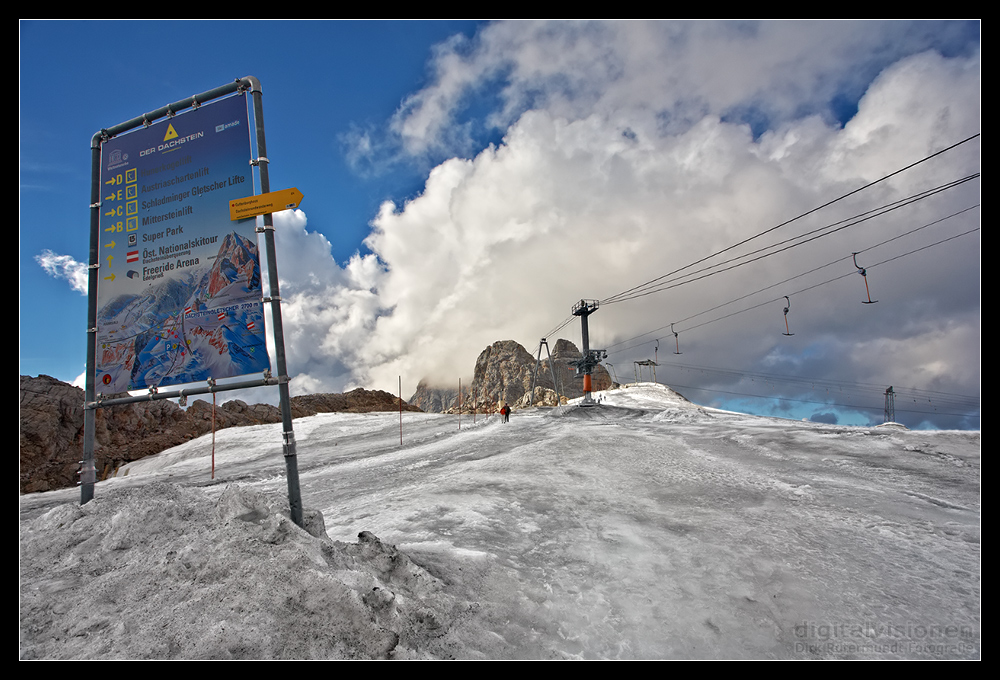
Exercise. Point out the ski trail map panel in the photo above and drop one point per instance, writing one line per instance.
(179, 297)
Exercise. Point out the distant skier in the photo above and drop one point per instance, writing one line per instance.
(505, 411)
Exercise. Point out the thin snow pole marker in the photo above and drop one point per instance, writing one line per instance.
(213, 435)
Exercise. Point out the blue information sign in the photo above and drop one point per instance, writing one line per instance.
(179, 297)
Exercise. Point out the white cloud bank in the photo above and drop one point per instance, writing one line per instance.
(631, 149)
(621, 163)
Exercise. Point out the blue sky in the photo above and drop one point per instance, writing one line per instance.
(78, 77)
(466, 182)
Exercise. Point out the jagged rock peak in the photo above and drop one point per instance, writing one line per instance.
(503, 374)
(566, 350)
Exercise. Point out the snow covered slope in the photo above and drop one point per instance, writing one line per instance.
(646, 527)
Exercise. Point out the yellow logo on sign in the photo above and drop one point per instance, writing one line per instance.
(171, 132)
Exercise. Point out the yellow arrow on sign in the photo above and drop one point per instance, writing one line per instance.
(275, 201)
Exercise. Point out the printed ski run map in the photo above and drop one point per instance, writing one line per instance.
(179, 297)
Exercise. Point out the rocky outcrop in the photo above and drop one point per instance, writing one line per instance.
(542, 396)
(51, 432)
(438, 399)
(51, 426)
(503, 374)
(355, 401)
(51, 422)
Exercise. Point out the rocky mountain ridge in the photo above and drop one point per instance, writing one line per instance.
(51, 426)
(51, 412)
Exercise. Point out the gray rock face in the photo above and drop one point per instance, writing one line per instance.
(542, 397)
(504, 373)
(51, 432)
(51, 426)
(438, 399)
(51, 422)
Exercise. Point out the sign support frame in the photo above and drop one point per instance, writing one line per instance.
(88, 470)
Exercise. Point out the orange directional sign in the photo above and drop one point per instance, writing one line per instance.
(275, 201)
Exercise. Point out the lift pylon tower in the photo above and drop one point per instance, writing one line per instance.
(552, 369)
(890, 405)
(591, 357)
(645, 362)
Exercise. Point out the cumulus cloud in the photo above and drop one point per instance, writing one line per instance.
(622, 159)
(64, 267)
(676, 71)
(328, 312)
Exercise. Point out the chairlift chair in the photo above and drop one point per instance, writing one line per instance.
(864, 275)
(788, 304)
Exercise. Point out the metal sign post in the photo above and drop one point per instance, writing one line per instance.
(175, 293)
(288, 434)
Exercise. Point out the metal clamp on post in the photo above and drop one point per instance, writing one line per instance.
(259, 160)
(211, 384)
(288, 439)
(283, 379)
(276, 298)
(96, 205)
(88, 474)
(266, 227)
